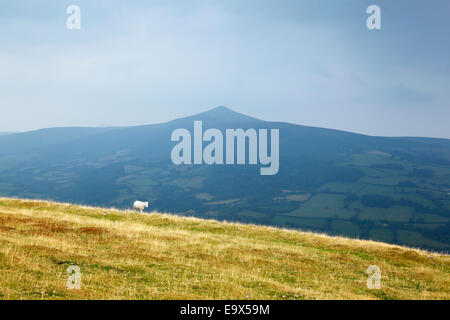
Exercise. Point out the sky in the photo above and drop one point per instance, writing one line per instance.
(310, 62)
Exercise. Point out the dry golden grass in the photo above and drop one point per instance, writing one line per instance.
(123, 255)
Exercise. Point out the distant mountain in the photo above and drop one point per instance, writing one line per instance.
(390, 189)
(4, 133)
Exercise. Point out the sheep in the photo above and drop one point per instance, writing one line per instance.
(139, 205)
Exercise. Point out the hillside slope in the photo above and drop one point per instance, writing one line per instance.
(123, 255)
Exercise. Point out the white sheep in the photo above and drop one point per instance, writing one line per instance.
(139, 205)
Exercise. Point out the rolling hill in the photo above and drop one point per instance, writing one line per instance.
(388, 189)
(123, 255)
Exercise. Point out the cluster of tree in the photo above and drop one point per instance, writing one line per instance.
(349, 199)
(376, 201)
(441, 233)
(406, 184)
(422, 173)
(382, 201)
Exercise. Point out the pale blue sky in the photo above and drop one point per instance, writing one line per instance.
(308, 62)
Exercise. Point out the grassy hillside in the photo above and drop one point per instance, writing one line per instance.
(123, 255)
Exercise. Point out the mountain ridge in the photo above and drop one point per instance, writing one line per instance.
(220, 113)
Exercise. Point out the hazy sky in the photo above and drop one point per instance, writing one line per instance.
(310, 62)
